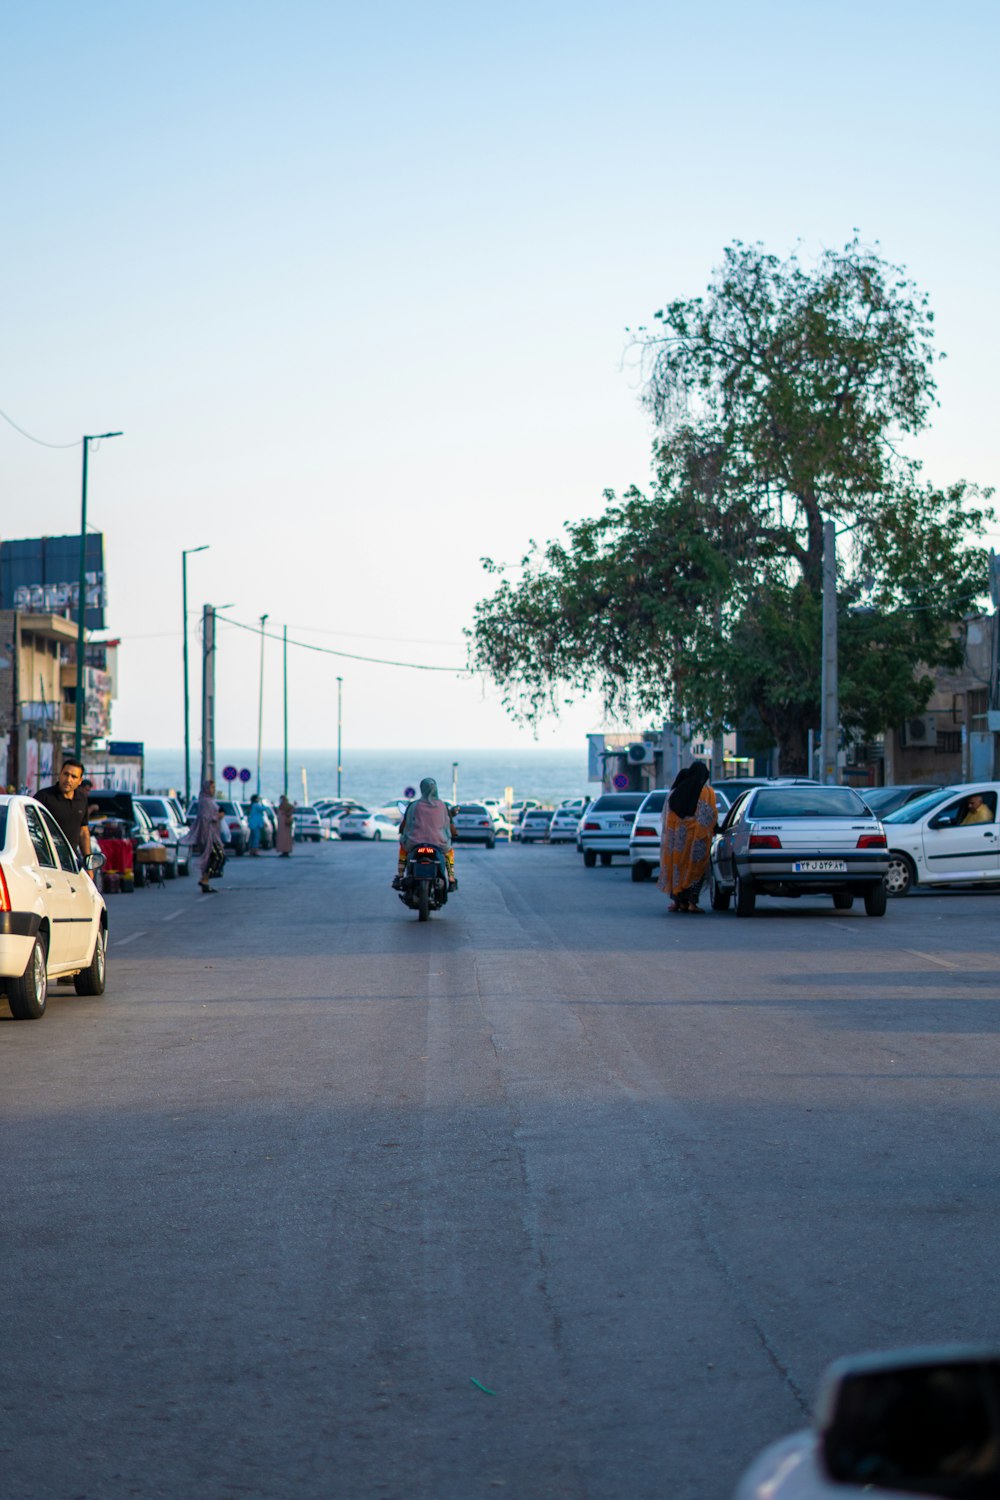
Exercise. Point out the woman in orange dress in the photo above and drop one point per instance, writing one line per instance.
(691, 817)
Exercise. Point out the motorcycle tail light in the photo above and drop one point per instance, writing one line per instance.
(872, 841)
(425, 851)
(4, 892)
(765, 841)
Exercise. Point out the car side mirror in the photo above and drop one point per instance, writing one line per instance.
(920, 1421)
(94, 862)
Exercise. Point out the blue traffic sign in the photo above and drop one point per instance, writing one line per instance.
(244, 774)
(409, 791)
(621, 781)
(229, 772)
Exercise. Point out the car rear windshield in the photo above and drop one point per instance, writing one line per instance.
(472, 807)
(155, 807)
(307, 812)
(539, 817)
(654, 802)
(230, 809)
(3, 825)
(808, 802)
(619, 802)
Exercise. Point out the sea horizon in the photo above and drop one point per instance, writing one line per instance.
(375, 775)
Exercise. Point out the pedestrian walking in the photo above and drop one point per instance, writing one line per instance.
(285, 841)
(255, 818)
(690, 819)
(206, 836)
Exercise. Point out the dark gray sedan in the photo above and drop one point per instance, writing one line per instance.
(797, 841)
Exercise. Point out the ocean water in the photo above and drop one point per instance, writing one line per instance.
(375, 777)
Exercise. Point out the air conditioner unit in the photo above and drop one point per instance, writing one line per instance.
(640, 754)
(920, 732)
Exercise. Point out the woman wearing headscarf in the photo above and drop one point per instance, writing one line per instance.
(427, 821)
(691, 816)
(285, 838)
(205, 834)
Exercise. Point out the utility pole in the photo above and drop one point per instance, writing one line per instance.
(260, 701)
(208, 694)
(340, 705)
(284, 660)
(187, 700)
(81, 601)
(829, 690)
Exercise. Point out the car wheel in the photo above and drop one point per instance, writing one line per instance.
(605, 859)
(376, 838)
(901, 876)
(589, 858)
(641, 871)
(171, 868)
(27, 996)
(876, 897)
(491, 843)
(746, 897)
(90, 981)
(719, 898)
(138, 874)
(843, 900)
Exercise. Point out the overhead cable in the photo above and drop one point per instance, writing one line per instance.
(381, 661)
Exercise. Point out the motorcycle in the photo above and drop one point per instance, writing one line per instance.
(910, 1422)
(424, 883)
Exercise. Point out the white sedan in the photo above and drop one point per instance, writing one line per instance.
(53, 921)
(367, 825)
(948, 837)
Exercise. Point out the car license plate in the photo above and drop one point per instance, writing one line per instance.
(617, 824)
(820, 867)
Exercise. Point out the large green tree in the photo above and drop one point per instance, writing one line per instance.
(781, 398)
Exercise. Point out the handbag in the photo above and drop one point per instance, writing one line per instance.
(216, 862)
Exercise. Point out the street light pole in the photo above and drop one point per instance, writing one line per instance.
(830, 697)
(284, 661)
(454, 781)
(260, 700)
(340, 704)
(185, 554)
(81, 601)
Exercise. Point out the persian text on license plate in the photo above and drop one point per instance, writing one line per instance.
(820, 867)
(617, 823)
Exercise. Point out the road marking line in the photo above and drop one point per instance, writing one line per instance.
(130, 939)
(171, 915)
(843, 926)
(944, 962)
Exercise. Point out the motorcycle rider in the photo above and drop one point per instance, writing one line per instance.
(427, 821)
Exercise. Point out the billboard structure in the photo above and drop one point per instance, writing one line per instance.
(41, 575)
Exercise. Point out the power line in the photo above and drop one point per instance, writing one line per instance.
(381, 661)
(75, 444)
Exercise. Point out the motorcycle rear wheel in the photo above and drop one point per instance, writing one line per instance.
(423, 900)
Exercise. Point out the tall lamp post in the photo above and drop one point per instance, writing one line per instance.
(187, 702)
(81, 602)
(340, 701)
(260, 701)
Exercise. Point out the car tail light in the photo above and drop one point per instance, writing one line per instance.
(644, 833)
(591, 827)
(4, 892)
(872, 841)
(485, 823)
(765, 841)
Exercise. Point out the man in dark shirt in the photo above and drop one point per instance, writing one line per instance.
(67, 802)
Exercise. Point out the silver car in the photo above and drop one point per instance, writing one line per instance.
(797, 841)
(535, 825)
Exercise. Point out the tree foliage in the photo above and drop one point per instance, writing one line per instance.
(781, 399)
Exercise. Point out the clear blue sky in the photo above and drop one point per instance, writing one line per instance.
(355, 284)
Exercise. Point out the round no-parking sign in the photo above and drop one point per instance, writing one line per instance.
(409, 791)
(620, 781)
(229, 772)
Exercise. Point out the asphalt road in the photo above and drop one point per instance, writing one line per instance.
(556, 1195)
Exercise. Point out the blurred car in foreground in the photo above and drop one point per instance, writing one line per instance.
(54, 921)
(607, 825)
(535, 825)
(798, 840)
(474, 824)
(947, 837)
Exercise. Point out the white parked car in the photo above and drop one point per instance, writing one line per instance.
(163, 814)
(474, 824)
(606, 826)
(562, 829)
(535, 825)
(306, 824)
(948, 837)
(360, 824)
(647, 832)
(53, 921)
